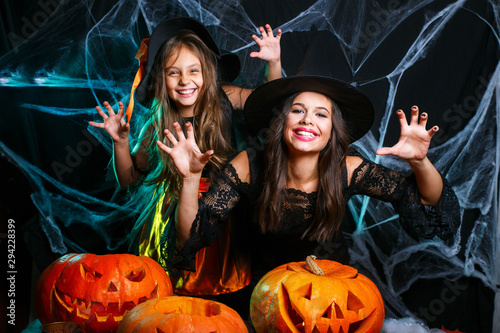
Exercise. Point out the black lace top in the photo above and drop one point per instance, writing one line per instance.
(269, 250)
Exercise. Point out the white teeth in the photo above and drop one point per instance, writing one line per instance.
(186, 92)
(304, 133)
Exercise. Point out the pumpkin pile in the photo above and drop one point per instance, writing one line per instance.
(96, 291)
(182, 314)
(316, 296)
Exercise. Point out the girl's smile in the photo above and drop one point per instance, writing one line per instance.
(184, 80)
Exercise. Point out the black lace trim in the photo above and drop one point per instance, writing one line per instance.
(419, 221)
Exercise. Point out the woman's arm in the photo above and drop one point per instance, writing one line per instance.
(270, 52)
(118, 129)
(412, 146)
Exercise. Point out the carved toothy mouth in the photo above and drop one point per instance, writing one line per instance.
(102, 311)
(334, 319)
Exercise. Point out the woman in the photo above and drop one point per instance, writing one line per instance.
(182, 80)
(299, 186)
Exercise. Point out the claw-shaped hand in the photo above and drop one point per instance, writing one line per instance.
(185, 153)
(114, 124)
(269, 45)
(414, 139)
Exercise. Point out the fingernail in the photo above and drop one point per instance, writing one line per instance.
(414, 107)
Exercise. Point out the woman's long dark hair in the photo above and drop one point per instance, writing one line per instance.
(330, 200)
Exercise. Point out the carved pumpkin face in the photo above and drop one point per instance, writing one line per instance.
(96, 291)
(182, 314)
(290, 298)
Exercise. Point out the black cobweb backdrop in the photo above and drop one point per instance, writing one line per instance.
(61, 58)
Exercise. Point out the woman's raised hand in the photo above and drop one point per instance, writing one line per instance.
(185, 153)
(114, 123)
(270, 49)
(414, 139)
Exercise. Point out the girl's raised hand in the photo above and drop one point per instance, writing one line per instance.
(414, 139)
(270, 49)
(185, 153)
(114, 123)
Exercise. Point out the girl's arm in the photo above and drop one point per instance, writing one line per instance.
(412, 146)
(118, 129)
(190, 162)
(270, 52)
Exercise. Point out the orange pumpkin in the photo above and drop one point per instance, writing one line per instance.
(182, 314)
(295, 297)
(96, 291)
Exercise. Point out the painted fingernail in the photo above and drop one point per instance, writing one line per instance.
(424, 115)
(414, 107)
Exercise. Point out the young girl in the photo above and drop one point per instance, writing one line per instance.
(299, 186)
(180, 83)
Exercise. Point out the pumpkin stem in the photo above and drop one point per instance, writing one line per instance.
(313, 266)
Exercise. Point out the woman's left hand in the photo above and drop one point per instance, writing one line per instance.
(270, 49)
(414, 139)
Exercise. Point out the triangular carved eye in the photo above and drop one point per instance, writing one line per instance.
(112, 287)
(137, 275)
(353, 302)
(304, 291)
(154, 293)
(89, 274)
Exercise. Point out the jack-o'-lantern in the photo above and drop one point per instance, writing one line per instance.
(182, 314)
(316, 296)
(96, 291)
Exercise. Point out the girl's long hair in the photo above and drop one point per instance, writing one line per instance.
(211, 126)
(329, 209)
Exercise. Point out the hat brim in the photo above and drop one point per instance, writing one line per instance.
(228, 64)
(357, 109)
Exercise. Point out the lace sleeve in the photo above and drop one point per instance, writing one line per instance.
(418, 220)
(214, 209)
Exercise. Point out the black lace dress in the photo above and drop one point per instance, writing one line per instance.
(266, 251)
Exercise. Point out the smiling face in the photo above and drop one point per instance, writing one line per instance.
(308, 124)
(184, 80)
(96, 291)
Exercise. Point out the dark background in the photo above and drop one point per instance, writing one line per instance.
(87, 50)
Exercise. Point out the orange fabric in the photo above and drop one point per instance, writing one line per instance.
(219, 269)
(204, 185)
(141, 55)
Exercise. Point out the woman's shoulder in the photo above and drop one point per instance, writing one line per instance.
(237, 95)
(352, 163)
(241, 164)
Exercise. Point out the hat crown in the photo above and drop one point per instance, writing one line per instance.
(228, 64)
(356, 108)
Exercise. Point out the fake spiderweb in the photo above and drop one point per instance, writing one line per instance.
(398, 53)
